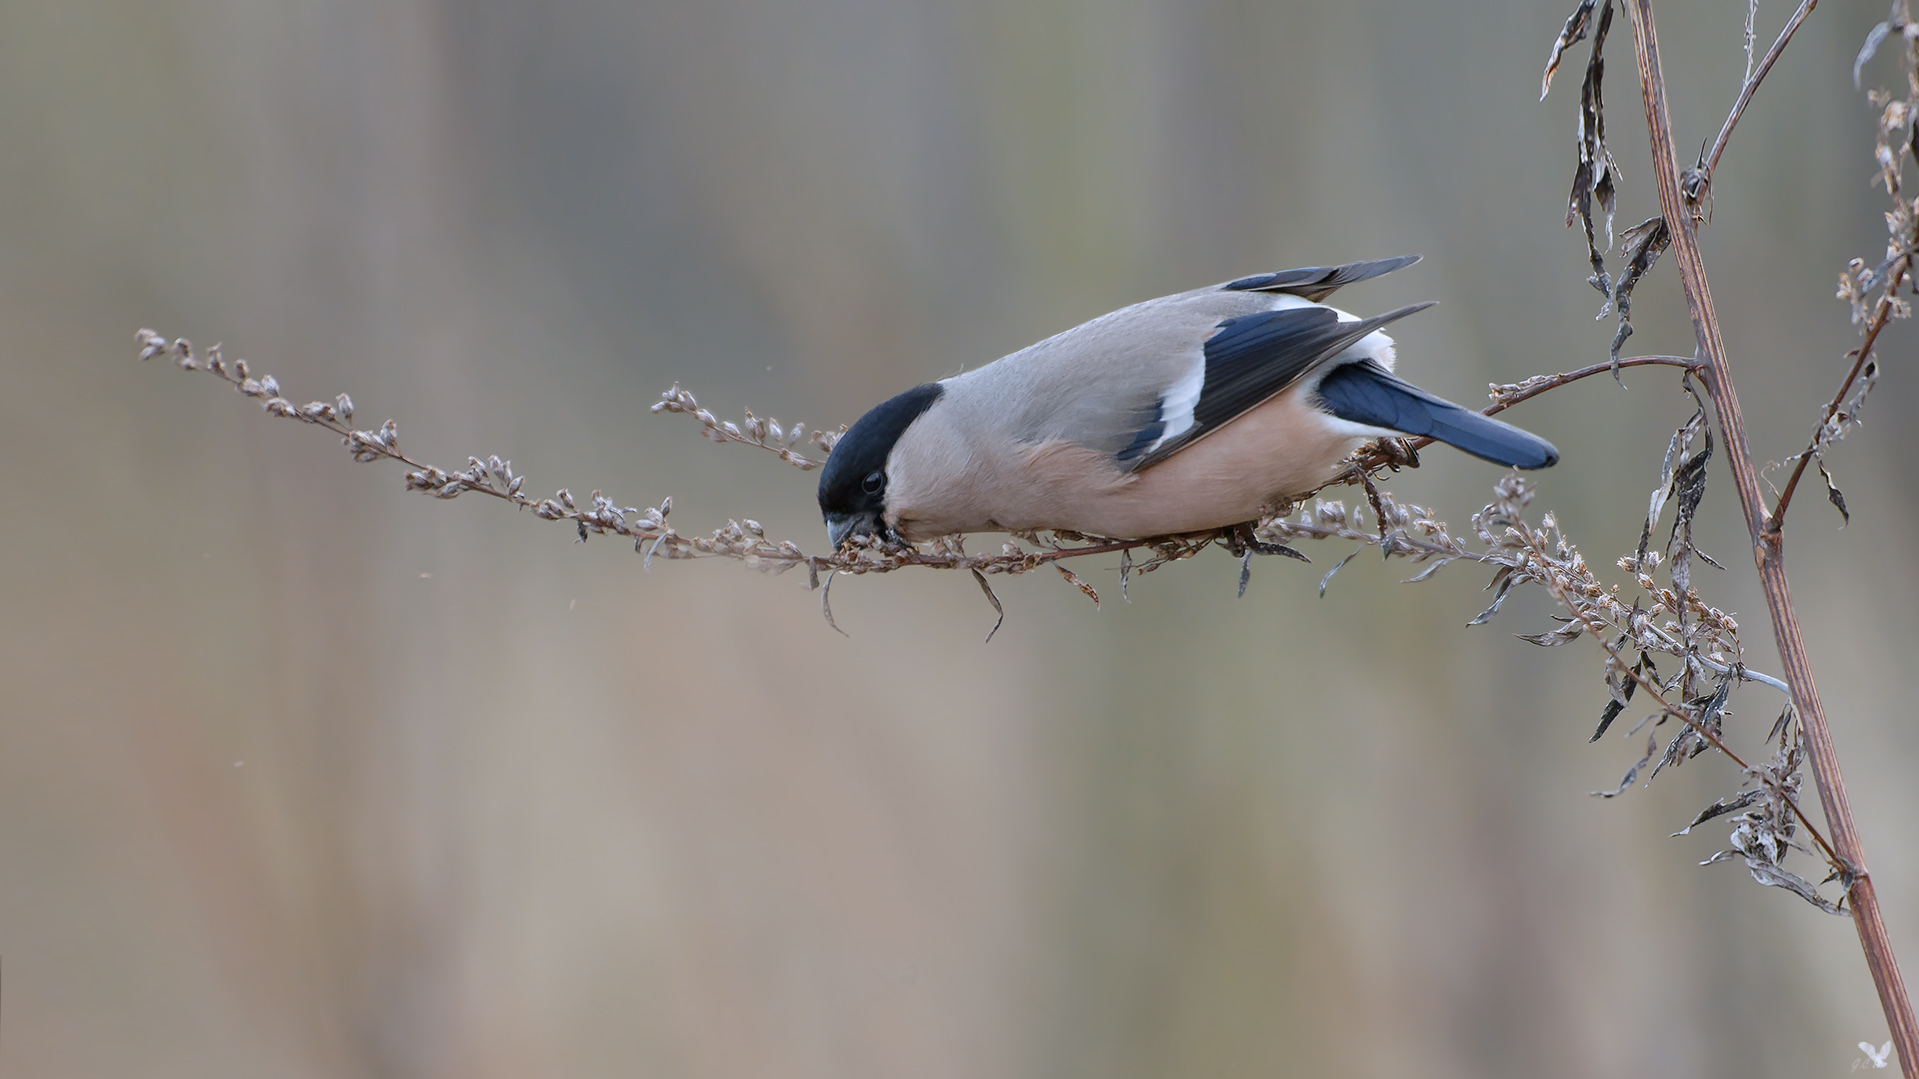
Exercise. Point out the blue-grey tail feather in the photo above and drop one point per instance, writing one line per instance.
(1366, 393)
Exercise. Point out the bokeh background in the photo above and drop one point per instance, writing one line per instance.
(304, 776)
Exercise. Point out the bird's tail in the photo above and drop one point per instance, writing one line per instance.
(1365, 393)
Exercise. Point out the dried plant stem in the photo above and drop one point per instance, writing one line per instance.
(1505, 397)
(1768, 551)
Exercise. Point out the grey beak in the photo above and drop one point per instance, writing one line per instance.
(840, 526)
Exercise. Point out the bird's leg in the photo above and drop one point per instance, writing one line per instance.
(1242, 540)
(1399, 453)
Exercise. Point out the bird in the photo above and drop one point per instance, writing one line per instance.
(1181, 414)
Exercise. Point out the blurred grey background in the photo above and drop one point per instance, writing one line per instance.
(304, 776)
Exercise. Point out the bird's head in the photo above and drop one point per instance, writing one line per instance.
(853, 483)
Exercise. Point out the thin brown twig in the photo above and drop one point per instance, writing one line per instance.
(1752, 82)
(1881, 318)
(1768, 552)
(1507, 396)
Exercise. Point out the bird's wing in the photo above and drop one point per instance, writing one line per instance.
(1247, 360)
(1318, 282)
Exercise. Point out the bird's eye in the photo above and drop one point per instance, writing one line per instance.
(874, 483)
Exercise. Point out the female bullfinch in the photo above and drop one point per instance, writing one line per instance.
(1180, 414)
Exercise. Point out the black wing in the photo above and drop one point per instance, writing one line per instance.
(1318, 282)
(1253, 357)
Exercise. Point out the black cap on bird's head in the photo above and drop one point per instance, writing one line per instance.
(853, 483)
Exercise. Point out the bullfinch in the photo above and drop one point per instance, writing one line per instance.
(1179, 414)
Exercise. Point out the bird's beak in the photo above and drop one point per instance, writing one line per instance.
(840, 526)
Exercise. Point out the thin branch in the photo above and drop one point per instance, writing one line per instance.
(1752, 82)
(1506, 396)
(764, 433)
(1768, 551)
(1882, 316)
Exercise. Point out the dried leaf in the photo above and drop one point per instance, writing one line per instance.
(1606, 716)
(1621, 696)
(1652, 747)
(1772, 876)
(1073, 579)
(1504, 580)
(826, 605)
(1689, 486)
(1874, 37)
(1552, 638)
(1646, 241)
(990, 598)
(1675, 451)
(1721, 807)
(1833, 494)
(1779, 726)
(1342, 562)
(1573, 33)
(1593, 178)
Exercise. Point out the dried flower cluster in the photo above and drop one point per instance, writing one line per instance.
(764, 433)
(1763, 834)
(647, 528)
